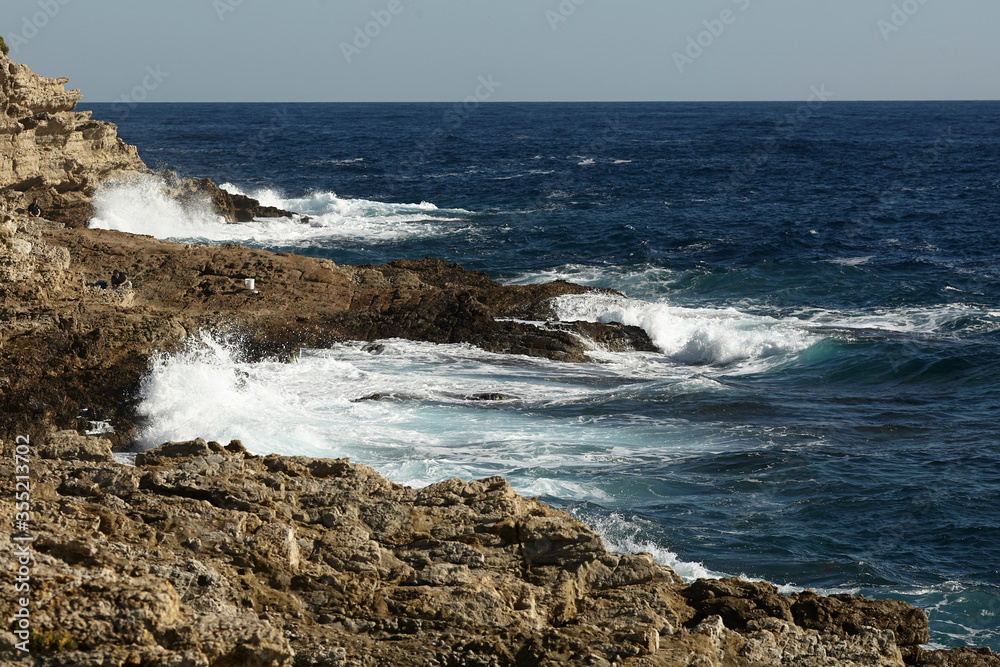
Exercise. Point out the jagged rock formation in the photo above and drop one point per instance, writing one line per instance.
(59, 155)
(50, 151)
(207, 555)
(79, 349)
(233, 208)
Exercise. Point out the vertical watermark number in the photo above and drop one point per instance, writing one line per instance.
(21, 542)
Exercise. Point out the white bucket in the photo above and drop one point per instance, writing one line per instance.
(248, 283)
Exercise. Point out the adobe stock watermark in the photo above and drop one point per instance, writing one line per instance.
(21, 542)
(714, 29)
(363, 35)
(30, 26)
(151, 81)
(785, 128)
(900, 16)
(562, 13)
(223, 7)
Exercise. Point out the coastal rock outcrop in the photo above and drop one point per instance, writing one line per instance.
(204, 554)
(80, 351)
(50, 151)
(56, 154)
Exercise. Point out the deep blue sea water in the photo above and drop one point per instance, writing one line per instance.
(823, 284)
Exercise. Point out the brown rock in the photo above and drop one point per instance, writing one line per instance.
(738, 603)
(203, 556)
(71, 446)
(49, 150)
(174, 453)
(848, 614)
(958, 657)
(233, 208)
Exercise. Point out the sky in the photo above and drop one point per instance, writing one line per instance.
(509, 50)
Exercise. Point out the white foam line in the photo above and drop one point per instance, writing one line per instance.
(692, 336)
(139, 205)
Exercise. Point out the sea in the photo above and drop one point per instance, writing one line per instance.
(821, 281)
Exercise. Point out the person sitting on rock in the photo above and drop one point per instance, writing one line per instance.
(34, 210)
(119, 279)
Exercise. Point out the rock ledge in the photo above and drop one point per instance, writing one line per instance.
(204, 554)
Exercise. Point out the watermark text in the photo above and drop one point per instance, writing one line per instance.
(30, 26)
(20, 624)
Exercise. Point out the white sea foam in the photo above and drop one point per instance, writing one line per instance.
(851, 261)
(424, 427)
(930, 320)
(139, 205)
(692, 336)
(656, 282)
(624, 535)
(649, 282)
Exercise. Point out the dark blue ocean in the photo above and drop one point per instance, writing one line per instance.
(822, 282)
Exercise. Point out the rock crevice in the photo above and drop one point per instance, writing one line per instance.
(204, 554)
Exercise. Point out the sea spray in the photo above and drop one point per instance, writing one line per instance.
(205, 390)
(692, 336)
(415, 410)
(140, 205)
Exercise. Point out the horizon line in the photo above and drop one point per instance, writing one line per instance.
(485, 103)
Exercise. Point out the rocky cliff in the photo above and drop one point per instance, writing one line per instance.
(50, 151)
(207, 555)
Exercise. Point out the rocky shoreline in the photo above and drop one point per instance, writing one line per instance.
(203, 554)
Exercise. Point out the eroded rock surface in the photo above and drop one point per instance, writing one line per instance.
(71, 350)
(204, 554)
(50, 151)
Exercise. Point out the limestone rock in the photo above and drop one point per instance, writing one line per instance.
(959, 657)
(71, 446)
(49, 150)
(208, 555)
(52, 152)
